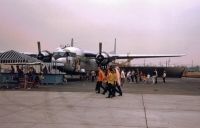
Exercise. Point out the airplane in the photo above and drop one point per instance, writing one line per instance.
(73, 60)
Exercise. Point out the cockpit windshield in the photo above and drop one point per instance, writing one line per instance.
(63, 54)
(71, 54)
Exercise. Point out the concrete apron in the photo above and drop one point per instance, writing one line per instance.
(29, 109)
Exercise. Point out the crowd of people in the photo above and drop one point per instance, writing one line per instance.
(139, 76)
(112, 79)
(29, 79)
(109, 80)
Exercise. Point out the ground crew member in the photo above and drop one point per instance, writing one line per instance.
(100, 79)
(105, 81)
(112, 80)
(118, 83)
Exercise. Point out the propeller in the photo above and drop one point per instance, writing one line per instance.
(40, 55)
(39, 47)
(72, 42)
(102, 58)
(100, 48)
(43, 55)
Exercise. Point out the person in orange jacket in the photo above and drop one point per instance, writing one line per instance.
(112, 80)
(100, 79)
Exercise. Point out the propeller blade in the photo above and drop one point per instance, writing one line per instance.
(100, 48)
(39, 47)
(72, 42)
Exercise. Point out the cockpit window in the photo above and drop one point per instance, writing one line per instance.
(72, 54)
(59, 54)
(63, 54)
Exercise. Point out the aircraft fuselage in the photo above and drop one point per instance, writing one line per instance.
(72, 61)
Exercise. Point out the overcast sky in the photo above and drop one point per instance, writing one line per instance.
(140, 26)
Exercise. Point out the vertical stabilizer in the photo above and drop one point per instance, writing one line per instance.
(115, 47)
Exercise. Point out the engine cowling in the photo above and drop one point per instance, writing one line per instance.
(40, 56)
(45, 56)
(102, 59)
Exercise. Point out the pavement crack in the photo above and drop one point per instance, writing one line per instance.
(145, 113)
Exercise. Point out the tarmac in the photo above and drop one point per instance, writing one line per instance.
(175, 104)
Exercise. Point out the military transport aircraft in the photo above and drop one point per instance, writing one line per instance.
(74, 60)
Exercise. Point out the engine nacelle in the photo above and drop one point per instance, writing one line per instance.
(40, 56)
(45, 56)
(102, 59)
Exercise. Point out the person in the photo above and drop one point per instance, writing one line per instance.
(156, 81)
(112, 79)
(105, 81)
(118, 83)
(20, 72)
(164, 76)
(128, 76)
(12, 71)
(136, 75)
(132, 75)
(155, 76)
(29, 78)
(141, 75)
(87, 75)
(148, 78)
(45, 71)
(20, 76)
(123, 77)
(100, 78)
(30, 74)
(144, 78)
(93, 75)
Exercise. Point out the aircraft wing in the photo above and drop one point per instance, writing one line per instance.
(132, 56)
(89, 54)
(135, 56)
